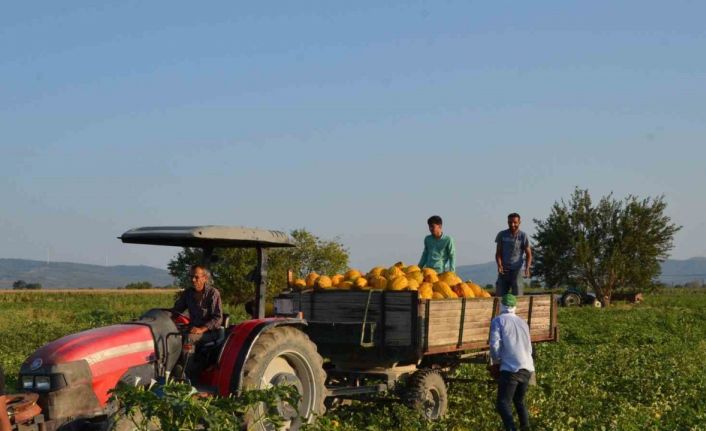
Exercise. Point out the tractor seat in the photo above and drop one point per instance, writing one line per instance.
(221, 331)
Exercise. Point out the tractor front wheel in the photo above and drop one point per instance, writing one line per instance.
(285, 355)
(426, 392)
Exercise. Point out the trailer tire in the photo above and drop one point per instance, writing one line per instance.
(285, 354)
(426, 392)
(570, 299)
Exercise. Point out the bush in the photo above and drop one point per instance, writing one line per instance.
(177, 406)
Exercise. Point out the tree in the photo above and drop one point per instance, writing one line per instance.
(139, 285)
(233, 272)
(614, 244)
(23, 285)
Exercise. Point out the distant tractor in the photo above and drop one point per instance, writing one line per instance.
(574, 297)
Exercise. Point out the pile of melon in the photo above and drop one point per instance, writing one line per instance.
(426, 281)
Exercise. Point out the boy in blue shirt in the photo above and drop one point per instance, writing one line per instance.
(439, 249)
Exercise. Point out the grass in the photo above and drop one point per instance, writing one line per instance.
(627, 367)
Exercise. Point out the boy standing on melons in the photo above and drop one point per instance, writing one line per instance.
(439, 249)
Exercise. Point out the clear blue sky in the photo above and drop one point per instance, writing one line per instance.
(351, 119)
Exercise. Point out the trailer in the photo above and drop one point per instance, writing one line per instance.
(379, 341)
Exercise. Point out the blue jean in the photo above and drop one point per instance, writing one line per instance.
(509, 282)
(512, 388)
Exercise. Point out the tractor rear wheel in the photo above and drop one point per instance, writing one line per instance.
(285, 355)
(426, 392)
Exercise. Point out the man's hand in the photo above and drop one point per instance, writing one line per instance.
(527, 272)
(198, 330)
(494, 371)
(500, 270)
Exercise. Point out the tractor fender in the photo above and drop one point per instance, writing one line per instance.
(237, 349)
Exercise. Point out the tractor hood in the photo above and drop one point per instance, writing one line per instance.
(83, 367)
(98, 347)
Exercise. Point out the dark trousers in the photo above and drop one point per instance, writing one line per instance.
(512, 388)
(509, 282)
(194, 361)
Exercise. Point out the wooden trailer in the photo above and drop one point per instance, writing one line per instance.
(375, 338)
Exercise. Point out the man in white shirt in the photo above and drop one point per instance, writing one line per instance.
(511, 351)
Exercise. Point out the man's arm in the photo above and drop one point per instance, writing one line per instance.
(452, 255)
(528, 253)
(425, 254)
(180, 304)
(495, 341)
(528, 262)
(216, 311)
(499, 256)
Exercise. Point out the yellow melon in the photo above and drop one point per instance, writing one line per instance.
(412, 284)
(431, 277)
(425, 293)
(444, 289)
(360, 283)
(475, 288)
(437, 295)
(393, 272)
(466, 290)
(398, 283)
(337, 279)
(376, 271)
(377, 282)
(323, 282)
(450, 278)
(345, 285)
(352, 274)
(299, 283)
(412, 268)
(311, 278)
(416, 275)
(427, 271)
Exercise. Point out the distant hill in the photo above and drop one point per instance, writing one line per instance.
(673, 271)
(78, 275)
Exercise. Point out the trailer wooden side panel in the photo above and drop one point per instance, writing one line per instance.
(464, 323)
(376, 327)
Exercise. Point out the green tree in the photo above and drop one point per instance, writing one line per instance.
(233, 271)
(19, 285)
(611, 245)
(139, 285)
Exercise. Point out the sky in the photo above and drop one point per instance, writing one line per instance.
(354, 120)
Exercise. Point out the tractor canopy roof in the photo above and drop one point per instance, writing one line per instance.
(206, 236)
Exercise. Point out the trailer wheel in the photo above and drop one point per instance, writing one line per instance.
(570, 299)
(285, 355)
(426, 392)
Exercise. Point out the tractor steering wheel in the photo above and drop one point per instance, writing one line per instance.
(181, 320)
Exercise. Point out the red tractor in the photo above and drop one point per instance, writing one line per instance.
(375, 341)
(73, 375)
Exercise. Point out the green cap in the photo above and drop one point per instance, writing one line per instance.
(509, 300)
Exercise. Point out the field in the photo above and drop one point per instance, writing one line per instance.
(629, 367)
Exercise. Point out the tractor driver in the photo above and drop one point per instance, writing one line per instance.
(205, 311)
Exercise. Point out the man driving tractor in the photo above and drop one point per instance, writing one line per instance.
(203, 301)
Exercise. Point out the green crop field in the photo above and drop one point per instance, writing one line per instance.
(628, 367)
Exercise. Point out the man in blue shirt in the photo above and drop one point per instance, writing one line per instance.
(439, 249)
(512, 246)
(511, 353)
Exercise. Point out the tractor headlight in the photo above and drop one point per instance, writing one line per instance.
(27, 383)
(42, 383)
